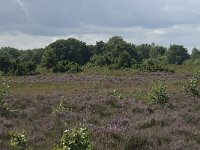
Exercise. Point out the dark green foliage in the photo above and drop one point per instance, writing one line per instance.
(143, 51)
(116, 46)
(15, 62)
(152, 65)
(124, 60)
(4, 64)
(177, 54)
(100, 47)
(49, 59)
(17, 68)
(100, 60)
(66, 66)
(10, 53)
(71, 49)
(34, 55)
(114, 54)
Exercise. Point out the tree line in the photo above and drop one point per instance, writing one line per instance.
(72, 55)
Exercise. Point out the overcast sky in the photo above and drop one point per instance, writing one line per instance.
(35, 23)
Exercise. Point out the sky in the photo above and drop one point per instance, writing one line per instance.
(27, 24)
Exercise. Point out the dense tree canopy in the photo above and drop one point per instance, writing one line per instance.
(71, 54)
(177, 54)
(71, 49)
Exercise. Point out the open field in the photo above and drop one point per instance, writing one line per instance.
(111, 104)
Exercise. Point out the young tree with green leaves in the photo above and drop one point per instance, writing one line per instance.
(4, 109)
(158, 94)
(19, 140)
(75, 139)
(191, 87)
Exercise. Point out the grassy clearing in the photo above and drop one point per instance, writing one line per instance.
(179, 69)
(47, 88)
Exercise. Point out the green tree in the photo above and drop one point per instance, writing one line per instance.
(191, 87)
(100, 60)
(49, 58)
(34, 55)
(124, 60)
(10, 53)
(116, 48)
(177, 54)
(143, 51)
(4, 64)
(71, 49)
(195, 53)
(100, 47)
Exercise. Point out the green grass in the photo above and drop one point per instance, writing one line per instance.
(180, 69)
(46, 88)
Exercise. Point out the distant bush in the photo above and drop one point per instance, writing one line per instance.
(158, 94)
(27, 68)
(151, 65)
(75, 139)
(100, 60)
(16, 67)
(192, 62)
(66, 66)
(19, 140)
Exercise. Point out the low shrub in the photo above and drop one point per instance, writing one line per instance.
(66, 66)
(75, 139)
(158, 94)
(191, 87)
(19, 140)
(152, 66)
(4, 85)
(61, 107)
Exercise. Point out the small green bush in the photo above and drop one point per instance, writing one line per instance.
(61, 107)
(4, 85)
(151, 65)
(158, 94)
(191, 87)
(66, 66)
(75, 139)
(19, 140)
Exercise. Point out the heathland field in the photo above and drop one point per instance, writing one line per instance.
(113, 105)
